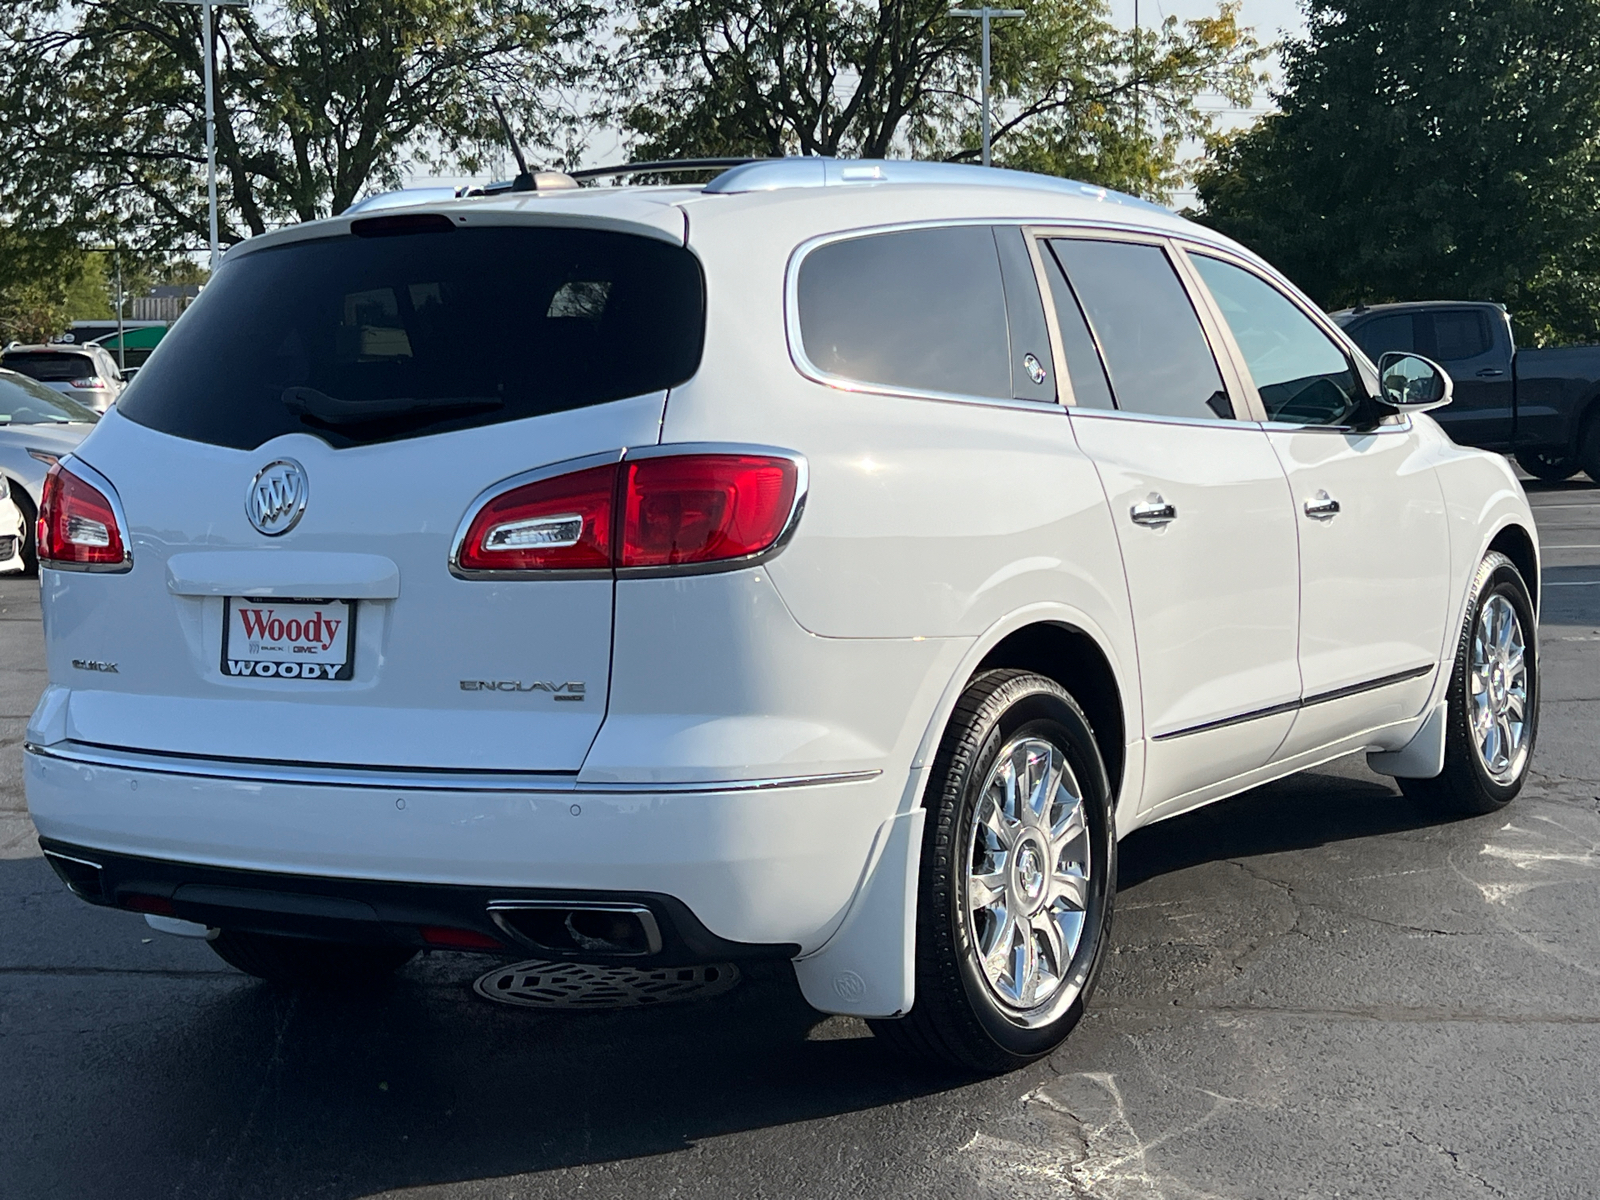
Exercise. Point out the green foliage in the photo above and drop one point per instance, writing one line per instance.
(1072, 94)
(36, 272)
(102, 109)
(1430, 150)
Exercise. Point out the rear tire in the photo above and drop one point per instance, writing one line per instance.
(1017, 879)
(30, 548)
(302, 962)
(1552, 468)
(1493, 696)
(1589, 447)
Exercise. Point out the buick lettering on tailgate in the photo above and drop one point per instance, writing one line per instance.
(307, 639)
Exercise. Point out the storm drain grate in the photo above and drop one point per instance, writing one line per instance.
(537, 984)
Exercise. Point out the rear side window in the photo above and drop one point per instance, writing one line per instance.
(369, 339)
(1382, 334)
(1090, 388)
(1155, 350)
(1459, 333)
(51, 366)
(920, 309)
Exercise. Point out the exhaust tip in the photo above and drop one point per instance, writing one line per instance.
(84, 879)
(613, 930)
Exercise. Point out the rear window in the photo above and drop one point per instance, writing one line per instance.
(26, 402)
(369, 339)
(51, 366)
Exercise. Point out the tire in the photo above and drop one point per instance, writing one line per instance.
(302, 962)
(1474, 780)
(1552, 468)
(993, 1019)
(1589, 447)
(30, 547)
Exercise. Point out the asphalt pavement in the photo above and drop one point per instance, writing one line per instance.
(1316, 990)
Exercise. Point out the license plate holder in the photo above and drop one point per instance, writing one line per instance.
(288, 639)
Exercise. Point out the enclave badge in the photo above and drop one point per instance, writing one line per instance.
(277, 497)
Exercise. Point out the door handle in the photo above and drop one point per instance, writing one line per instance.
(1154, 512)
(1490, 373)
(1322, 507)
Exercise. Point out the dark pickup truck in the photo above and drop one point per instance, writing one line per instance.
(1541, 405)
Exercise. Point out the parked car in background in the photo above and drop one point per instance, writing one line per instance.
(12, 525)
(850, 554)
(38, 427)
(1543, 406)
(87, 374)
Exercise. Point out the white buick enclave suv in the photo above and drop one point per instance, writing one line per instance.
(830, 562)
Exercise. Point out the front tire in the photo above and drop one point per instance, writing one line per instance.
(1017, 880)
(1552, 468)
(302, 962)
(1493, 715)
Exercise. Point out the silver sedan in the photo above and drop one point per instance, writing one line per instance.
(37, 426)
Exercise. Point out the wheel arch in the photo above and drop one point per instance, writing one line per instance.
(1075, 660)
(1515, 543)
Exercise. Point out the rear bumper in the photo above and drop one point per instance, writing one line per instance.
(764, 864)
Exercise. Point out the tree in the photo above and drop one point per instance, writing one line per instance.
(1072, 94)
(102, 111)
(1426, 149)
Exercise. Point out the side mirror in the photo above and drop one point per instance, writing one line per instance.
(1412, 383)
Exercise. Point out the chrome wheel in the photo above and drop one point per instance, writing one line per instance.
(1027, 874)
(1498, 690)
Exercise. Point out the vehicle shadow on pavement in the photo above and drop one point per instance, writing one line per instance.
(147, 1062)
(1297, 813)
(159, 1076)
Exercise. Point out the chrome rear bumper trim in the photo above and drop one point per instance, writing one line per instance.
(86, 754)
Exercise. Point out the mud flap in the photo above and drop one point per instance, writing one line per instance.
(1420, 758)
(868, 968)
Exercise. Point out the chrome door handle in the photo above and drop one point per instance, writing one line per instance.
(1322, 507)
(1155, 512)
(1490, 373)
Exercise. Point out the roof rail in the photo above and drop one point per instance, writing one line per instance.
(777, 173)
(666, 166)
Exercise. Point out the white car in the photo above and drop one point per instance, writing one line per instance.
(13, 532)
(830, 562)
(88, 375)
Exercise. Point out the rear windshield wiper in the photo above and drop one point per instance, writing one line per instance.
(330, 410)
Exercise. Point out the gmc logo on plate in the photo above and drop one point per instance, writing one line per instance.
(558, 691)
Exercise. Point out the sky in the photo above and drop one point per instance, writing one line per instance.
(1271, 20)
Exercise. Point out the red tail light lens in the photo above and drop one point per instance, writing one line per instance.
(681, 510)
(555, 524)
(702, 508)
(77, 525)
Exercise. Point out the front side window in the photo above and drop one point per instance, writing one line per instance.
(1301, 375)
(363, 339)
(1155, 349)
(920, 309)
(1379, 335)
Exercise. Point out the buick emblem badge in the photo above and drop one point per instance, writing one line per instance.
(277, 497)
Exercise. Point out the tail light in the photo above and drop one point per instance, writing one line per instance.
(91, 383)
(555, 524)
(78, 527)
(661, 511)
(702, 508)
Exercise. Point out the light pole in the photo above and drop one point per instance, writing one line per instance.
(986, 14)
(211, 120)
